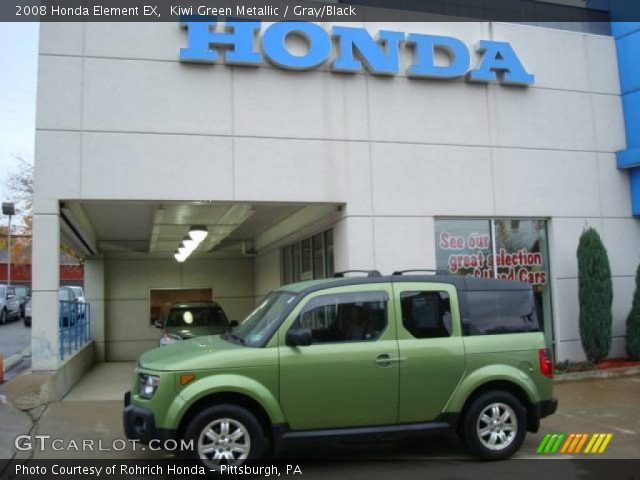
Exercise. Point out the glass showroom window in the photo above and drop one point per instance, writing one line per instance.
(513, 249)
(308, 259)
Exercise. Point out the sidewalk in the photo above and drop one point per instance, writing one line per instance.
(14, 422)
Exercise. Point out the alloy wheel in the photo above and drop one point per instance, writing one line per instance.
(224, 441)
(497, 426)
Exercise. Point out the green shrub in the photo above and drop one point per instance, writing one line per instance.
(633, 323)
(595, 295)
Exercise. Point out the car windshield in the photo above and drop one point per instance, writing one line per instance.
(262, 322)
(64, 295)
(77, 291)
(21, 291)
(196, 317)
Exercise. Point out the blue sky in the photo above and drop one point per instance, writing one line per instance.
(18, 76)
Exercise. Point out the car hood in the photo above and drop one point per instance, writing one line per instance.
(196, 354)
(190, 332)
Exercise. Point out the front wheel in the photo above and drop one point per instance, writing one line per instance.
(3, 317)
(225, 435)
(495, 425)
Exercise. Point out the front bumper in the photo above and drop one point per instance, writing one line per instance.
(140, 424)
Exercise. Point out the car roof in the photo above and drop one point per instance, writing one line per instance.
(460, 282)
(195, 304)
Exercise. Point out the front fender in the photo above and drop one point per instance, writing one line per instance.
(491, 373)
(224, 383)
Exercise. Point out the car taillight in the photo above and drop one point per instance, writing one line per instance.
(546, 365)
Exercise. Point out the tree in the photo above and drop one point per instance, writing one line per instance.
(595, 296)
(633, 323)
(20, 188)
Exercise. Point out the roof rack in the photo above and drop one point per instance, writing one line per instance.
(370, 273)
(439, 271)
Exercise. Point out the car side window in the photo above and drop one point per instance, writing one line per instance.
(426, 314)
(499, 312)
(345, 317)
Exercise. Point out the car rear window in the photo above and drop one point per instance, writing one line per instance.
(496, 312)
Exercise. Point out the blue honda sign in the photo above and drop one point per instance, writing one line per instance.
(355, 49)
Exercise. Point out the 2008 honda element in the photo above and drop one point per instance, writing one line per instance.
(400, 355)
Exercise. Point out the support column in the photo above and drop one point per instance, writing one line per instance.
(95, 295)
(353, 244)
(45, 354)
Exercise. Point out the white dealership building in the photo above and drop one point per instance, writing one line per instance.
(297, 174)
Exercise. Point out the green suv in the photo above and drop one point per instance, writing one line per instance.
(354, 357)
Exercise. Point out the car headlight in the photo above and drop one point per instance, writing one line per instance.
(168, 339)
(148, 385)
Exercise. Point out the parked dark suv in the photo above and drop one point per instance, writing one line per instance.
(186, 320)
(23, 293)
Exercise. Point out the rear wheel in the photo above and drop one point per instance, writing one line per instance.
(225, 435)
(495, 425)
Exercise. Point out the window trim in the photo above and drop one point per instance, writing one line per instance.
(303, 309)
(401, 316)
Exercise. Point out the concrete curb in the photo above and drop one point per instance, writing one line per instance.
(16, 358)
(597, 374)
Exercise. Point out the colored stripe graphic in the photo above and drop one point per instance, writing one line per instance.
(574, 443)
(592, 441)
(570, 439)
(583, 439)
(606, 442)
(543, 443)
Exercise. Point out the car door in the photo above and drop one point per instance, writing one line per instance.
(349, 375)
(13, 303)
(430, 339)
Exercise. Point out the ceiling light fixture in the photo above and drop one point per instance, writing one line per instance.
(198, 233)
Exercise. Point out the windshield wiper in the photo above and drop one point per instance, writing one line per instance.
(233, 336)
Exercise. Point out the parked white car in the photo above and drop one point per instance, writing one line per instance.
(78, 293)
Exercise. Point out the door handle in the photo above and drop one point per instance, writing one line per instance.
(385, 360)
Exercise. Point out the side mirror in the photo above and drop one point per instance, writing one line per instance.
(233, 323)
(299, 337)
(158, 324)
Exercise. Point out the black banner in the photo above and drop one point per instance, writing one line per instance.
(397, 469)
(525, 11)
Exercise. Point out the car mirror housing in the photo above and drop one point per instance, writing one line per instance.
(233, 323)
(158, 324)
(299, 337)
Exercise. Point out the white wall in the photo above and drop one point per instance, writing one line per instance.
(118, 111)
(128, 332)
(267, 273)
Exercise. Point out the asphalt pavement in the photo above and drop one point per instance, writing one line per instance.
(15, 338)
(590, 407)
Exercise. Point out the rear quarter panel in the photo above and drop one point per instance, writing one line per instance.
(507, 357)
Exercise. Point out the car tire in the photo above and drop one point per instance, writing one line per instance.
(3, 317)
(494, 425)
(211, 443)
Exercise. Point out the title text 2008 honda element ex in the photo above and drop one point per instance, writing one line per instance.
(368, 356)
